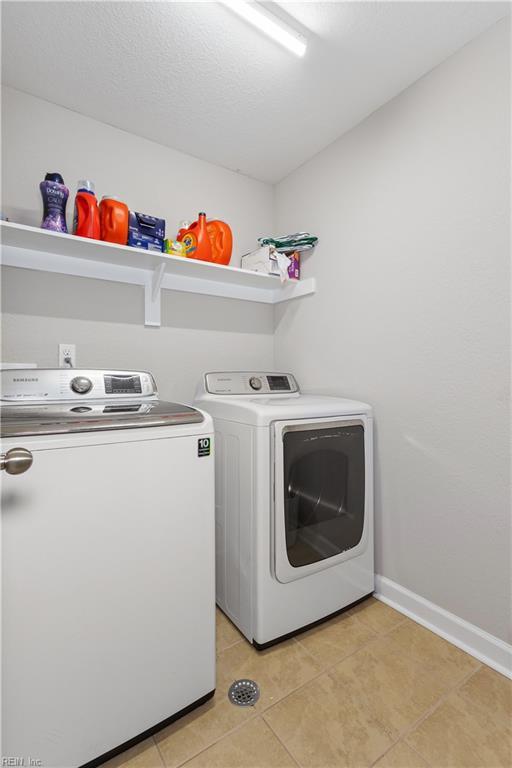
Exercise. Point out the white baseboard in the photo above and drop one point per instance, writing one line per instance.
(483, 646)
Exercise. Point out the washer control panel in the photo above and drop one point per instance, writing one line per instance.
(250, 383)
(57, 384)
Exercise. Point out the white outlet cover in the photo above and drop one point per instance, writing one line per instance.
(67, 350)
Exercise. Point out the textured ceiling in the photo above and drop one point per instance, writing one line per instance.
(196, 77)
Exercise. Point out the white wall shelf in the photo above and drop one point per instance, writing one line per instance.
(35, 248)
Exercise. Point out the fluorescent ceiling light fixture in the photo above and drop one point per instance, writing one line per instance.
(271, 25)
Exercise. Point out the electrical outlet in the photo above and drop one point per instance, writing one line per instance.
(67, 356)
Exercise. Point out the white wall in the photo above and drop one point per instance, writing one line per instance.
(411, 312)
(38, 136)
(105, 320)
(411, 315)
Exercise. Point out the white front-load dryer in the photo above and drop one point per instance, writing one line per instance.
(294, 502)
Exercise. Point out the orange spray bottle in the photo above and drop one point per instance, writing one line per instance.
(196, 240)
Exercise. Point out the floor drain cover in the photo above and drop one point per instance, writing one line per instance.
(244, 693)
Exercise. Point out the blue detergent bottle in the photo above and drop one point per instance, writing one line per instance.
(55, 196)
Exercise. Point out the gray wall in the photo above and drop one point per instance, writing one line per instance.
(412, 315)
(106, 320)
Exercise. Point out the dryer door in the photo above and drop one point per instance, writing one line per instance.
(321, 494)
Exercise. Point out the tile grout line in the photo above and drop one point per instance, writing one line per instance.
(417, 753)
(416, 723)
(155, 742)
(391, 747)
(282, 743)
(306, 650)
(227, 647)
(441, 700)
(240, 725)
(330, 667)
(402, 620)
(430, 711)
(363, 645)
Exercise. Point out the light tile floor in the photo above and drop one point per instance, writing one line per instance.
(368, 688)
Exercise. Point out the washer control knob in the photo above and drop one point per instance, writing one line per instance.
(255, 382)
(81, 385)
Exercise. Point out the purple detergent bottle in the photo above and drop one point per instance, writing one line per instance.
(55, 196)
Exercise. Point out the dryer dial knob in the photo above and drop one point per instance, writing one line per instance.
(81, 385)
(255, 382)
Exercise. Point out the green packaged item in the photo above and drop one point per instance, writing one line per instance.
(298, 241)
(174, 248)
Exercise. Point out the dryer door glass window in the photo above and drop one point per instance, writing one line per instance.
(324, 489)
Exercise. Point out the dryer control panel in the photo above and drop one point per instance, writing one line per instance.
(250, 383)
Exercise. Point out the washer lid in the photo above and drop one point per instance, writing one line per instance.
(66, 417)
(261, 411)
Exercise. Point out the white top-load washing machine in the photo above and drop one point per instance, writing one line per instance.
(294, 502)
(108, 563)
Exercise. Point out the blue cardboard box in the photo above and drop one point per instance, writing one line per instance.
(147, 242)
(142, 224)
